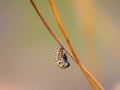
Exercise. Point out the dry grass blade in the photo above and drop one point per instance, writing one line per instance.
(86, 73)
(47, 26)
(50, 30)
(54, 36)
(69, 43)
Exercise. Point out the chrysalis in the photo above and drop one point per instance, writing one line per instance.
(61, 58)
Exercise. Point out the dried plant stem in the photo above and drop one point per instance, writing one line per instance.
(86, 73)
(49, 29)
(69, 43)
(57, 39)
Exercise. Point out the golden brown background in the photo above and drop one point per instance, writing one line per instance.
(27, 49)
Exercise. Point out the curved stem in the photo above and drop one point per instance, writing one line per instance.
(88, 75)
(58, 40)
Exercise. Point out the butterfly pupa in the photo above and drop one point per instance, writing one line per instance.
(61, 58)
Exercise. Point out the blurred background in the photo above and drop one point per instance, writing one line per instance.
(27, 49)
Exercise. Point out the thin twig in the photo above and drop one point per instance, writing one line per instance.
(54, 36)
(69, 43)
(49, 29)
(88, 75)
